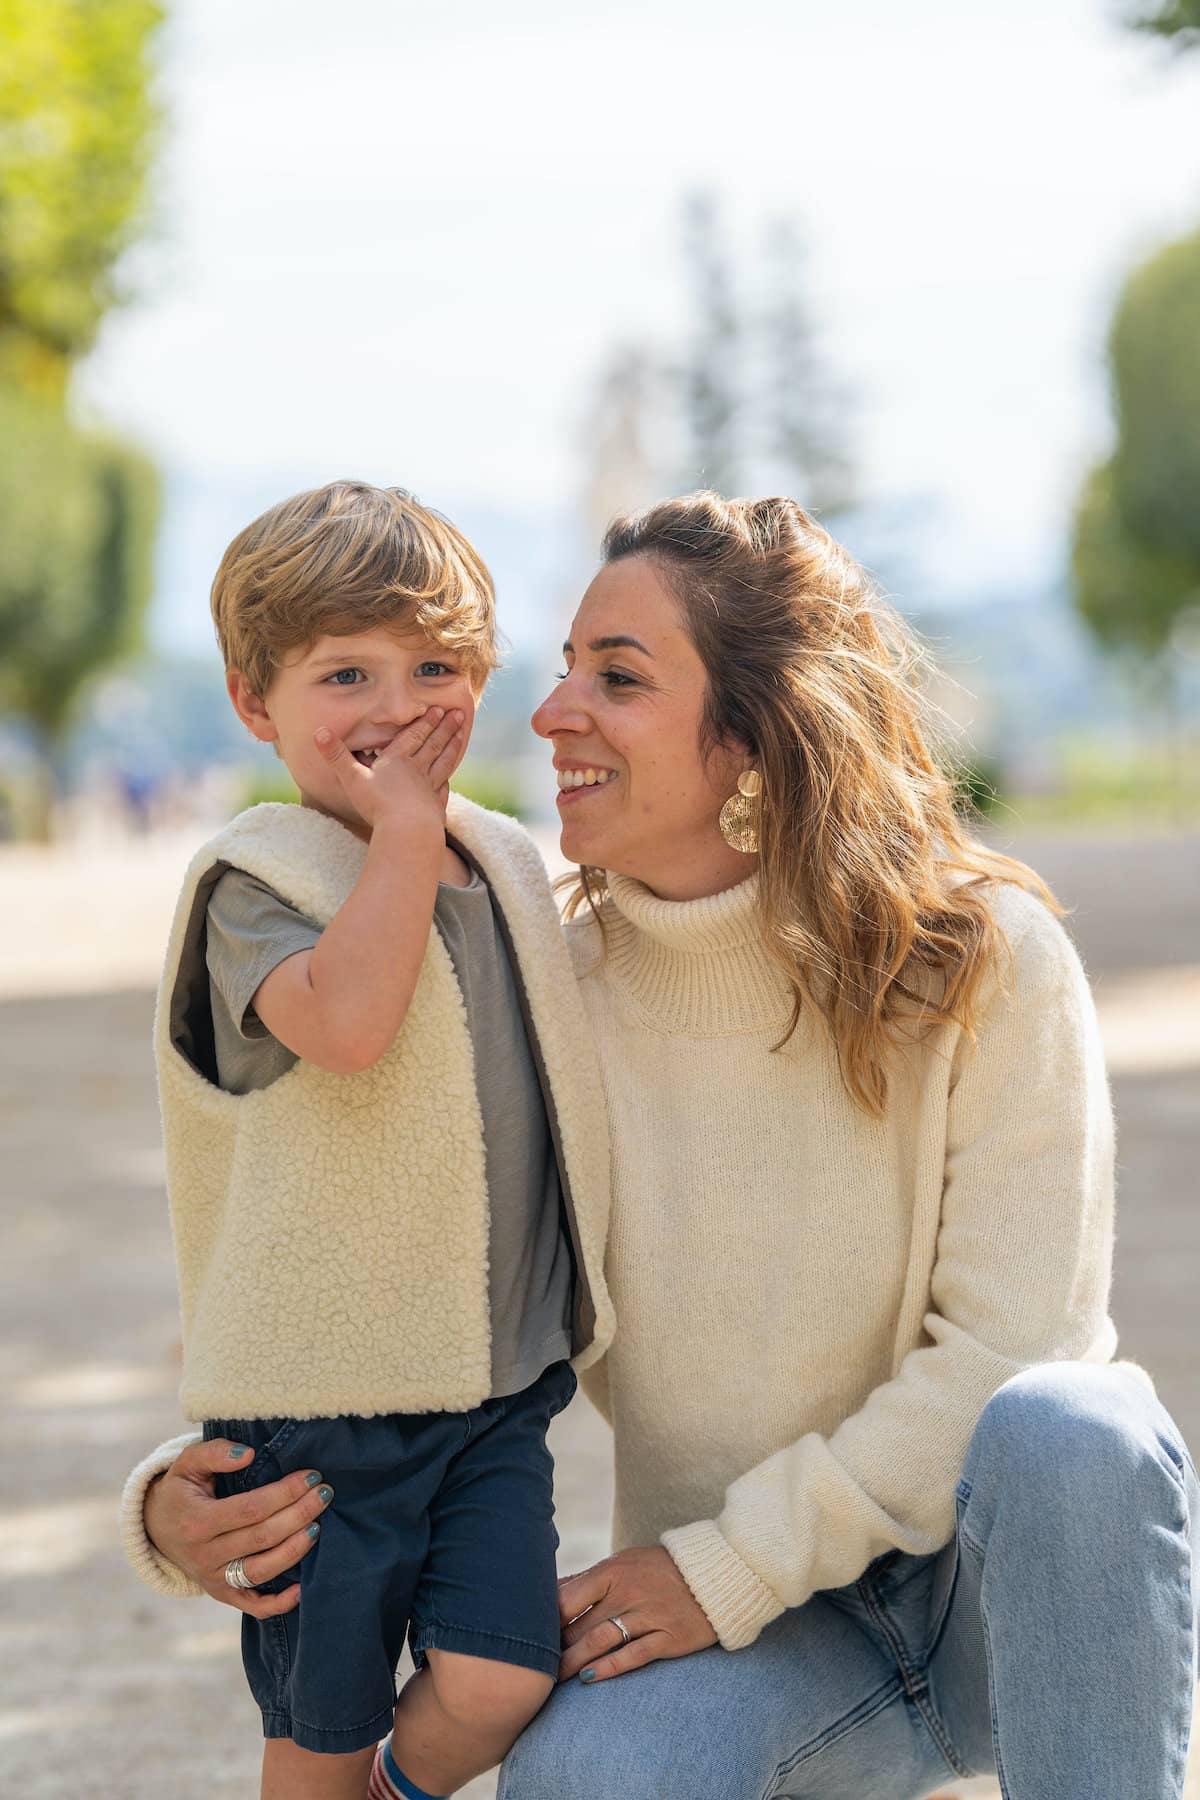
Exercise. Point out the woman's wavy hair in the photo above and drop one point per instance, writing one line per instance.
(869, 882)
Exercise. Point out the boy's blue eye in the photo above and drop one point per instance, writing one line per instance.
(435, 668)
(338, 677)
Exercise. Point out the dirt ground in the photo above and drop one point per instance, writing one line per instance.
(106, 1686)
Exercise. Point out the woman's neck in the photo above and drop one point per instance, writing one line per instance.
(715, 871)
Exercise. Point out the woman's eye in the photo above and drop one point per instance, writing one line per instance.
(614, 678)
(346, 677)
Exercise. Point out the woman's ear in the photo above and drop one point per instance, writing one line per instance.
(250, 707)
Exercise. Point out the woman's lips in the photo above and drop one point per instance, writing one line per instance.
(573, 784)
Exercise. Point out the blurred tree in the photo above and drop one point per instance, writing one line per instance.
(711, 373)
(1128, 594)
(78, 130)
(1136, 542)
(77, 518)
(620, 465)
(749, 395)
(1178, 20)
(1156, 397)
(803, 412)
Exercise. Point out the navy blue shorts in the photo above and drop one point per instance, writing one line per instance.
(441, 1530)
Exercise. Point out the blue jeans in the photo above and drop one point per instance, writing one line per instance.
(1052, 1642)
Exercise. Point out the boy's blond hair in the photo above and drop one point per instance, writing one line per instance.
(343, 558)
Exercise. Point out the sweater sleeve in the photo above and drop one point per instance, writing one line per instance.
(144, 1559)
(1021, 1276)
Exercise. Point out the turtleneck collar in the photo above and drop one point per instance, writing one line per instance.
(694, 965)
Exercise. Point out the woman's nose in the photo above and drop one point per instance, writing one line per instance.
(559, 711)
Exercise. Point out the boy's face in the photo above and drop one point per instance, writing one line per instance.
(364, 687)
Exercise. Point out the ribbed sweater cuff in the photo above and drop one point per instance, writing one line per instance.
(735, 1601)
(144, 1559)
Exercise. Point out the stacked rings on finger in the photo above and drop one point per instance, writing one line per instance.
(235, 1574)
(612, 1619)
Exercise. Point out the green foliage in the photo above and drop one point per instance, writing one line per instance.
(78, 129)
(268, 784)
(77, 518)
(1178, 20)
(1136, 545)
(491, 785)
(1153, 348)
(978, 787)
(1127, 593)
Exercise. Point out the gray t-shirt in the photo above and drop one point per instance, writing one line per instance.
(250, 930)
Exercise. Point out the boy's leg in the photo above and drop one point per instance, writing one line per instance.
(485, 1615)
(290, 1773)
(461, 1715)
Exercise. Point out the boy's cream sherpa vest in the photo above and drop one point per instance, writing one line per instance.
(331, 1231)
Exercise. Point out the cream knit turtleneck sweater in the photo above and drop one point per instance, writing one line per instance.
(814, 1306)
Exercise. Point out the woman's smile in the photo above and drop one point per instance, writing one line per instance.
(577, 779)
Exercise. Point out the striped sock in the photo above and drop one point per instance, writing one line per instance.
(388, 1782)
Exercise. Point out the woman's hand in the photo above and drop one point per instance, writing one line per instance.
(269, 1527)
(645, 1590)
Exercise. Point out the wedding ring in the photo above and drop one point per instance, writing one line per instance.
(612, 1619)
(235, 1574)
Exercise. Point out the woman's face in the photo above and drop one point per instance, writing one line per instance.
(636, 796)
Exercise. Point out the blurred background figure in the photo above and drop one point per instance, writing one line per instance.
(934, 271)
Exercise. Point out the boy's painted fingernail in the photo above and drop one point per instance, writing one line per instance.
(325, 1494)
(236, 1450)
(314, 1530)
(312, 1478)
(587, 1675)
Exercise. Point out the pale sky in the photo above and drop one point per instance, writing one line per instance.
(396, 240)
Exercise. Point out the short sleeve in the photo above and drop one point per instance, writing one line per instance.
(251, 930)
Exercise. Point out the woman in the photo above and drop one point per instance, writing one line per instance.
(884, 1510)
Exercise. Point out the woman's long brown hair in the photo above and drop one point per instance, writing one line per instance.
(869, 882)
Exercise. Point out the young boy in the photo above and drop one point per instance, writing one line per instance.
(385, 1157)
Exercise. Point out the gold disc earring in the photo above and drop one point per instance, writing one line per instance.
(739, 815)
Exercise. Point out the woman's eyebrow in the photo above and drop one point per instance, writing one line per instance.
(609, 643)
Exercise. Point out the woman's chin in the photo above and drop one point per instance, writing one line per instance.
(574, 844)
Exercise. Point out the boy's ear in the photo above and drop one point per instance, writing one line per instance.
(250, 707)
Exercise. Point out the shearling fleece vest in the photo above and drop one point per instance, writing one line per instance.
(331, 1231)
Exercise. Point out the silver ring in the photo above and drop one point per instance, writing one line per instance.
(235, 1574)
(613, 1620)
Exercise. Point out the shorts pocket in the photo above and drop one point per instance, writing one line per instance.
(266, 1437)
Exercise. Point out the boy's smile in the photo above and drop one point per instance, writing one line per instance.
(364, 687)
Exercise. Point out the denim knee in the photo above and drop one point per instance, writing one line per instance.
(1085, 1438)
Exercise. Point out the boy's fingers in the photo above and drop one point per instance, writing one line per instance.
(447, 759)
(333, 748)
(409, 741)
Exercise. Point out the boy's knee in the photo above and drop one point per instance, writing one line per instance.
(494, 1698)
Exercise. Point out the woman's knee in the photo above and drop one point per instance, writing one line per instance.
(590, 1743)
(1092, 1433)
